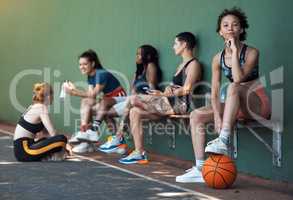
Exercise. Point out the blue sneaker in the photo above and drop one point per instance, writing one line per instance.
(135, 157)
(114, 144)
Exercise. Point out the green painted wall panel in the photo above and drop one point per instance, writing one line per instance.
(51, 34)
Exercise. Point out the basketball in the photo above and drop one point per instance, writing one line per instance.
(219, 171)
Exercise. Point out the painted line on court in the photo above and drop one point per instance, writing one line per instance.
(6, 132)
(150, 179)
(189, 191)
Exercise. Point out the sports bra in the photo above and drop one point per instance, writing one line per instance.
(33, 128)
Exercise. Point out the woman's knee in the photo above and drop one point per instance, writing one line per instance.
(107, 102)
(134, 113)
(233, 89)
(197, 116)
(133, 100)
(103, 104)
(84, 101)
(87, 102)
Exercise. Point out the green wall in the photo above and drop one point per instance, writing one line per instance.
(51, 34)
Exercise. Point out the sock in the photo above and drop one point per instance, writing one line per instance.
(96, 125)
(224, 135)
(84, 127)
(199, 164)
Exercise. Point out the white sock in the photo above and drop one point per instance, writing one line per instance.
(199, 164)
(224, 135)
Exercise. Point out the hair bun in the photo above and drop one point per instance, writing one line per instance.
(38, 86)
(41, 91)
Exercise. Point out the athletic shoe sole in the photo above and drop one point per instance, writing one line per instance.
(190, 180)
(216, 151)
(88, 150)
(114, 149)
(85, 139)
(142, 162)
(73, 141)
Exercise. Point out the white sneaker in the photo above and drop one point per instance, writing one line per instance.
(84, 147)
(57, 156)
(192, 176)
(188, 170)
(89, 136)
(114, 144)
(217, 146)
(74, 139)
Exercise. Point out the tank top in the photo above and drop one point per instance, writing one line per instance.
(228, 70)
(141, 84)
(179, 80)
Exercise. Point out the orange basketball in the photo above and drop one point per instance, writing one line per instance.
(219, 171)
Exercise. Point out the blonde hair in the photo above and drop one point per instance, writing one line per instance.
(41, 92)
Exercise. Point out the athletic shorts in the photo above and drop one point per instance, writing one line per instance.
(118, 92)
(120, 107)
(265, 109)
(120, 99)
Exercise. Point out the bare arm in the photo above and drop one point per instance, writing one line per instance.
(152, 76)
(216, 84)
(47, 121)
(92, 92)
(132, 85)
(239, 74)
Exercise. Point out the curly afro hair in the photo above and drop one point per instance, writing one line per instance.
(237, 12)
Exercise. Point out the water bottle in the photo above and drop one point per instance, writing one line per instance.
(62, 93)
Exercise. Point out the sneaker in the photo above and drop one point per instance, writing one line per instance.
(188, 170)
(57, 156)
(192, 175)
(114, 144)
(74, 137)
(89, 136)
(217, 146)
(83, 147)
(135, 157)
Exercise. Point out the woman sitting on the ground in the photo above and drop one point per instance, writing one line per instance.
(245, 97)
(34, 120)
(147, 77)
(174, 100)
(100, 81)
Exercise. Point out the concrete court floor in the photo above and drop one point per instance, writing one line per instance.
(100, 176)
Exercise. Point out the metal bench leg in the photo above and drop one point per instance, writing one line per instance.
(235, 142)
(172, 135)
(277, 146)
(150, 133)
(275, 149)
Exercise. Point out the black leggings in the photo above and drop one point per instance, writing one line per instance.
(26, 149)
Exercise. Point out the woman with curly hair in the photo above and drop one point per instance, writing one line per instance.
(243, 98)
